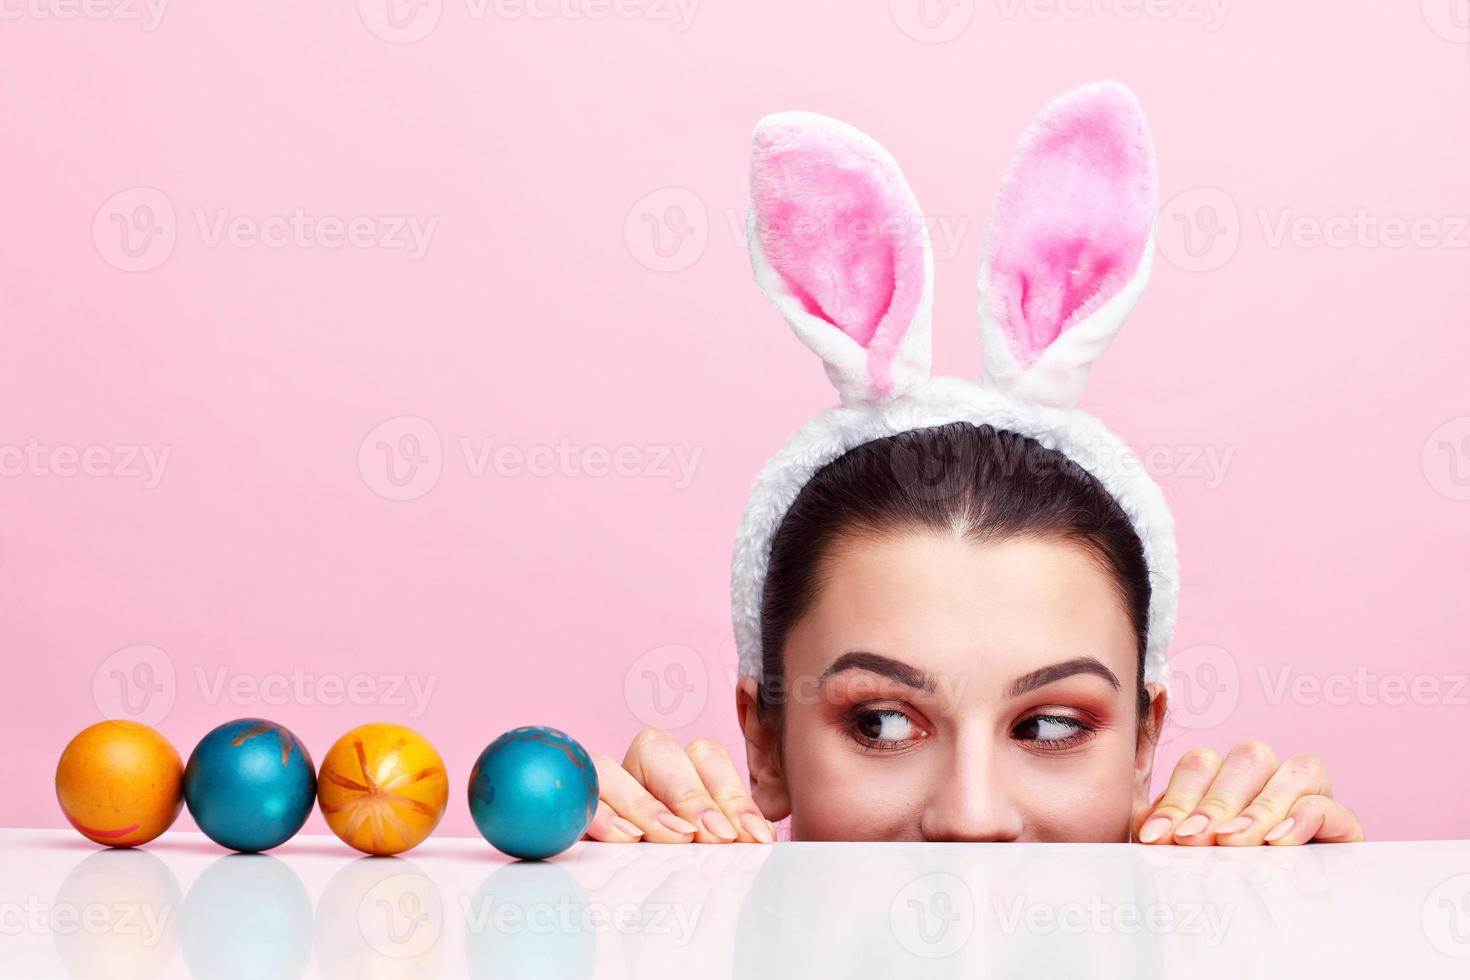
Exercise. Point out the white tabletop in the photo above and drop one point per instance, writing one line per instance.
(455, 907)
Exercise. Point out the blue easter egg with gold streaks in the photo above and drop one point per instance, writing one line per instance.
(533, 792)
(250, 784)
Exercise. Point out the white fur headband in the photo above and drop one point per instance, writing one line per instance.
(838, 243)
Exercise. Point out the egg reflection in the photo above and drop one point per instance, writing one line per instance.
(247, 917)
(115, 916)
(530, 920)
(381, 918)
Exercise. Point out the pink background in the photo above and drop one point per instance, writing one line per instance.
(1330, 377)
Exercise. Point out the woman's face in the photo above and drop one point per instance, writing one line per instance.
(940, 689)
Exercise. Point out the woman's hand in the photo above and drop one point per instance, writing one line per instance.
(668, 794)
(1245, 799)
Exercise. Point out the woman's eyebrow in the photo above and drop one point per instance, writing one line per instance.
(876, 663)
(1055, 672)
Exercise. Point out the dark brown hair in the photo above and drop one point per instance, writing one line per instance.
(981, 482)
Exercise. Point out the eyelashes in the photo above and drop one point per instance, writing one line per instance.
(883, 729)
(1052, 732)
(890, 728)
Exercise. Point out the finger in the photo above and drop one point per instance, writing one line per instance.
(607, 826)
(1192, 775)
(1319, 818)
(1242, 776)
(630, 800)
(1300, 775)
(657, 761)
(717, 771)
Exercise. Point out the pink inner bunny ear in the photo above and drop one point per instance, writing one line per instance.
(1074, 217)
(839, 227)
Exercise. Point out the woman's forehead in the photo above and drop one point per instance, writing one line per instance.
(945, 603)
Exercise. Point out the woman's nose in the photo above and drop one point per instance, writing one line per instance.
(971, 803)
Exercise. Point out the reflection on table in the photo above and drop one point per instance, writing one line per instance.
(456, 908)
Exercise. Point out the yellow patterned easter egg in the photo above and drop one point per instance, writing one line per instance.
(382, 788)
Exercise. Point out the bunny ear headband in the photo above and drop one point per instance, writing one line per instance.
(838, 243)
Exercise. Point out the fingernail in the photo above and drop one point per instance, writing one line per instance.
(1192, 825)
(773, 830)
(628, 827)
(677, 824)
(1153, 829)
(1281, 829)
(1234, 826)
(758, 827)
(714, 821)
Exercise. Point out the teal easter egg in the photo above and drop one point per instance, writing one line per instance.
(533, 792)
(250, 785)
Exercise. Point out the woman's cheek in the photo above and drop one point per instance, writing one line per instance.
(840, 793)
(1085, 799)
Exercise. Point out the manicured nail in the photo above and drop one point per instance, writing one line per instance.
(1235, 826)
(677, 824)
(628, 827)
(758, 827)
(714, 821)
(1155, 828)
(1192, 825)
(1281, 829)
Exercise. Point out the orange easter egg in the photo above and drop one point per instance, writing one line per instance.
(382, 788)
(119, 783)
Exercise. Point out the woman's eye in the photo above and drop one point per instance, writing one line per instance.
(884, 725)
(1050, 729)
